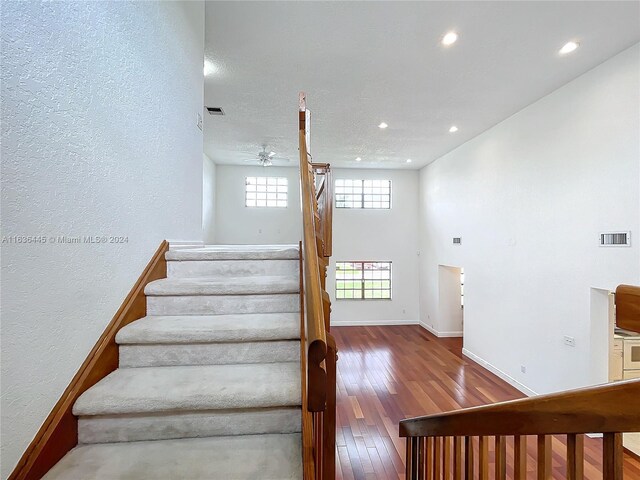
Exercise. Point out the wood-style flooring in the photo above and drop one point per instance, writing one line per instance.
(389, 373)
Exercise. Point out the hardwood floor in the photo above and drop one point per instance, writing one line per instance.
(389, 373)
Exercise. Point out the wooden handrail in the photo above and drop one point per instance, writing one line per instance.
(611, 409)
(318, 350)
(604, 408)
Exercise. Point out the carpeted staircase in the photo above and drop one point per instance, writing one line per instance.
(209, 381)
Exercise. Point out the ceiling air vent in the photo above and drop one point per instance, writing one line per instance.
(215, 111)
(457, 240)
(615, 239)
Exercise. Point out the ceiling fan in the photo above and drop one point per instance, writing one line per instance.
(266, 159)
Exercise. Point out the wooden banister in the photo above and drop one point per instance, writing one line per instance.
(586, 410)
(318, 351)
(611, 409)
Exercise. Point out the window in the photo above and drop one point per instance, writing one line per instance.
(363, 193)
(363, 280)
(265, 192)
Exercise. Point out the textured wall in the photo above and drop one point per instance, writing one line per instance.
(99, 137)
(208, 199)
(529, 198)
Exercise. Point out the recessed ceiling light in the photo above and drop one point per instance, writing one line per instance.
(568, 48)
(453, 129)
(408, 160)
(358, 159)
(383, 125)
(449, 39)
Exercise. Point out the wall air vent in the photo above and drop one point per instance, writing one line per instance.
(215, 110)
(615, 239)
(457, 240)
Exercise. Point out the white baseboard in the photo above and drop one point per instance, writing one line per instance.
(439, 334)
(364, 323)
(496, 371)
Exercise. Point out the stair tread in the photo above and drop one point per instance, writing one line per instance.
(211, 328)
(249, 285)
(236, 252)
(270, 456)
(189, 388)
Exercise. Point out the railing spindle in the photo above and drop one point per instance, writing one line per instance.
(446, 461)
(520, 457)
(422, 457)
(501, 457)
(483, 458)
(468, 457)
(410, 458)
(457, 458)
(575, 456)
(437, 458)
(429, 462)
(544, 457)
(612, 456)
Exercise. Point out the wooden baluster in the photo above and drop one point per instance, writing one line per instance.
(411, 458)
(520, 457)
(468, 457)
(437, 458)
(612, 456)
(457, 458)
(544, 457)
(575, 457)
(422, 457)
(501, 457)
(429, 465)
(483, 458)
(446, 460)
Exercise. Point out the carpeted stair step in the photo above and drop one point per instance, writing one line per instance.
(210, 340)
(210, 387)
(220, 296)
(232, 268)
(211, 328)
(236, 252)
(267, 457)
(173, 402)
(192, 424)
(257, 285)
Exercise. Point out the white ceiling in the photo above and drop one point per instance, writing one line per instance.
(362, 63)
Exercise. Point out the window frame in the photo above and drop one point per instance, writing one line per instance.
(363, 280)
(277, 192)
(362, 194)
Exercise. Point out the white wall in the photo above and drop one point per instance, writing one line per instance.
(528, 197)
(237, 224)
(99, 137)
(208, 200)
(379, 235)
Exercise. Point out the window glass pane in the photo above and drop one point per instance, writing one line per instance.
(363, 280)
(266, 192)
(370, 194)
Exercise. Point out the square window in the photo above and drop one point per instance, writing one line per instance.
(370, 194)
(265, 192)
(363, 280)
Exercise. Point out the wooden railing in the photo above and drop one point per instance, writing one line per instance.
(318, 348)
(443, 446)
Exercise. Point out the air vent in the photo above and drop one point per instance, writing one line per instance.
(215, 111)
(615, 239)
(457, 240)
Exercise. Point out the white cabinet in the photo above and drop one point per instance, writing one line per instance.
(616, 362)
